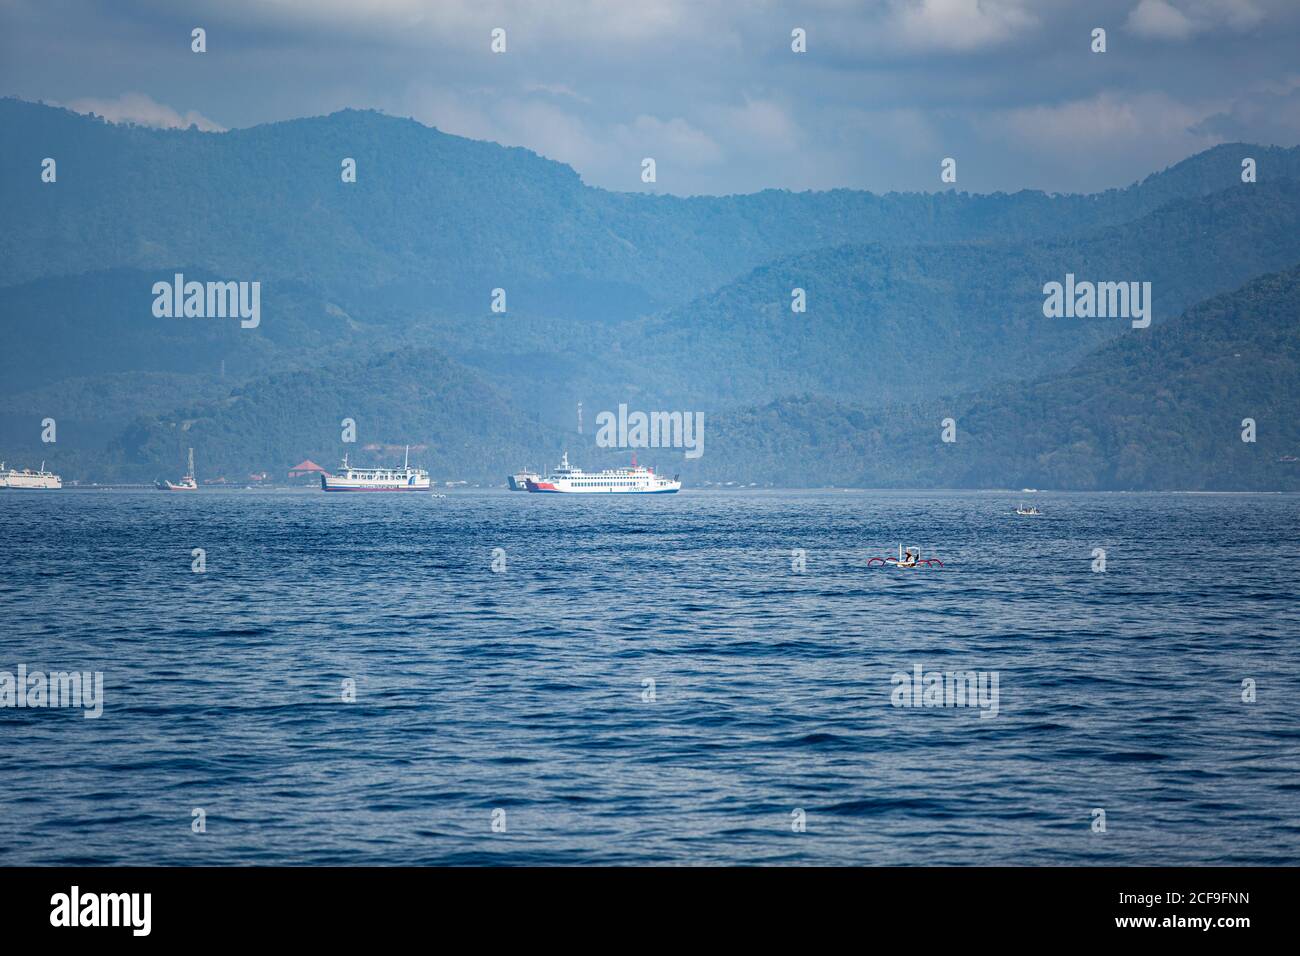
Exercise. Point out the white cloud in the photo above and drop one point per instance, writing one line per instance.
(559, 90)
(958, 24)
(763, 122)
(1159, 20)
(675, 140)
(608, 153)
(1237, 14)
(1183, 19)
(710, 88)
(465, 22)
(144, 111)
(551, 131)
(1263, 116)
(453, 111)
(1107, 118)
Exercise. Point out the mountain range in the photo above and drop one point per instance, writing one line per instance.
(376, 304)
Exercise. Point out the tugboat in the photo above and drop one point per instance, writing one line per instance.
(187, 483)
(352, 478)
(636, 480)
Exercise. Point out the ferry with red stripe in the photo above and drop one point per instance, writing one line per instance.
(636, 480)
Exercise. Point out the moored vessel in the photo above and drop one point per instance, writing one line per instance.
(187, 483)
(352, 478)
(635, 480)
(28, 480)
(519, 480)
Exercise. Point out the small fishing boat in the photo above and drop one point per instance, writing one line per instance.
(187, 483)
(1031, 510)
(907, 558)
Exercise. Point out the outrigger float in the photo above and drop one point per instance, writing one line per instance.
(909, 558)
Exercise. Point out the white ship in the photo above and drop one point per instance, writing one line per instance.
(352, 478)
(28, 479)
(636, 480)
(519, 480)
(187, 483)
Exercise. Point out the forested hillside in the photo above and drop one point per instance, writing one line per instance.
(1161, 409)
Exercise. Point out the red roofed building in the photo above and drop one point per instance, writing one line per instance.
(306, 467)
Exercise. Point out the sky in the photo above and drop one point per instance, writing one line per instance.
(886, 90)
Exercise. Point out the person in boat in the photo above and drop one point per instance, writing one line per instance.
(909, 559)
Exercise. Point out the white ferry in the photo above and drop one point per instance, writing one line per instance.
(28, 479)
(519, 480)
(636, 480)
(187, 483)
(352, 478)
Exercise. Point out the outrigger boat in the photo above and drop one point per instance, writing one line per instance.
(909, 558)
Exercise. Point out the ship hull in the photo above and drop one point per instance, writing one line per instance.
(17, 484)
(335, 484)
(360, 488)
(548, 488)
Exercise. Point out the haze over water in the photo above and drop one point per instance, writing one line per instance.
(523, 690)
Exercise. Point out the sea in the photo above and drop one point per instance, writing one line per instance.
(709, 678)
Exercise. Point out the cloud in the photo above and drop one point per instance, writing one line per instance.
(458, 112)
(1151, 130)
(617, 26)
(142, 110)
(553, 132)
(1160, 21)
(1166, 20)
(1259, 117)
(674, 139)
(958, 24)
(709, 88)
(558, 90)
(761, 122)
(1097, 121)
(534, 119)
(563, 129)
(464, 23)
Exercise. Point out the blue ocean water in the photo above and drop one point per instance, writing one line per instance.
(525, 690)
